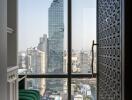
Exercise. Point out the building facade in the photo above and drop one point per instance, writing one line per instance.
(42, 46)
(55, 44)
(85, 62)
(22, 60)
(56, 37)
(38, 67)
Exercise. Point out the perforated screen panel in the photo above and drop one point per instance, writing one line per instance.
(109, 49)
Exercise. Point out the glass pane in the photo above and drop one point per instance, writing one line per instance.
(42, 38)
(84, 89)
(50, 89)
(83, 34)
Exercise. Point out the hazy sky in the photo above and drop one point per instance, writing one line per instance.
(33, 22)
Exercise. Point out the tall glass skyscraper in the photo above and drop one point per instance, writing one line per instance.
(55, 44)
(56, 37)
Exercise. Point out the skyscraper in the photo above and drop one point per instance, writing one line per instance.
(42, 46)
(55, 44)
(38, 67)
(56, 36)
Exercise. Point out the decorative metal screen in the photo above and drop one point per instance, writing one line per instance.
(109, 49)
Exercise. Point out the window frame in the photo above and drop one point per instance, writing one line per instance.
(69, 76)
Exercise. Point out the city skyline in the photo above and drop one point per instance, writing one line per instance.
(48, 57)
(33, 23)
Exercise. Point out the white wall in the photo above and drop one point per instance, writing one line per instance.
(3, 50)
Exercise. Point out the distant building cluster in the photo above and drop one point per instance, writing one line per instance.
(83, 89)
(81, 62)
(49, 57)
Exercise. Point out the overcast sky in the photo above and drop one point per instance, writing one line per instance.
(33, 22)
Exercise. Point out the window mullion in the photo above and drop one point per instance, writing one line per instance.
(69, 46)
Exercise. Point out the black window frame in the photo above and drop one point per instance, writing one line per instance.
(69, 75)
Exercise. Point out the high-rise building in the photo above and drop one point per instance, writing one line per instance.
(75, 62)
(38, 61)
(56, 37)
(21, 60)
(55, 44)
(28, 61)
(38, 67)
(28, 58)
(84, 62)
(42, 46)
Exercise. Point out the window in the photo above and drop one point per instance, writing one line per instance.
(54, 88)
(83, 34)
(55, 55)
